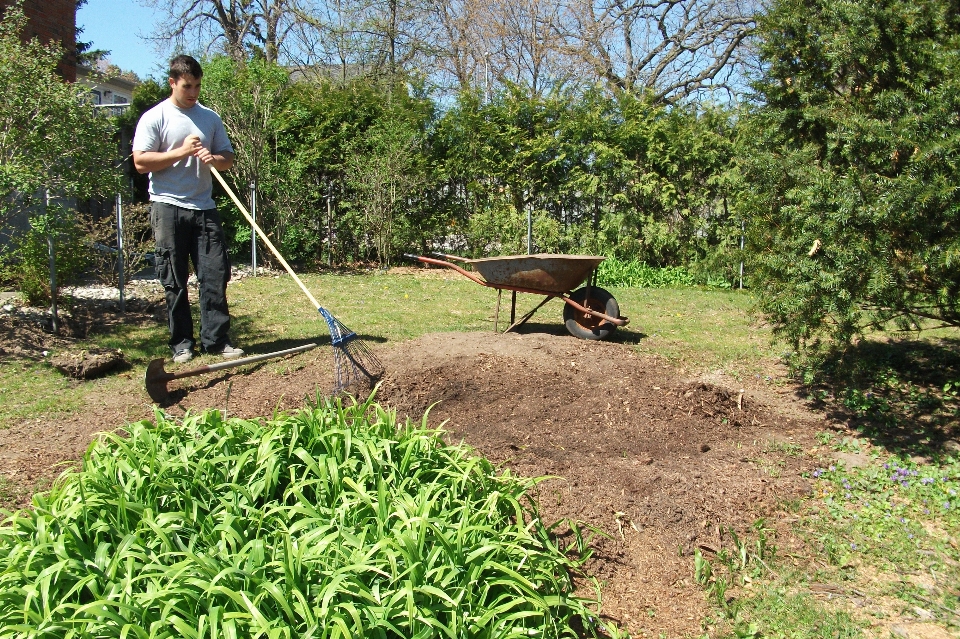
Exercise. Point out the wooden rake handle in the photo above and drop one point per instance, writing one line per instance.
(263, 236)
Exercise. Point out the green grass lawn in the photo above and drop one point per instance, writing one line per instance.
(697, 330)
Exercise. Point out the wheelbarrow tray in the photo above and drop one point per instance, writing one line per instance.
(547, 272)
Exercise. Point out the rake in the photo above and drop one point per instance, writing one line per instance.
(354, 363)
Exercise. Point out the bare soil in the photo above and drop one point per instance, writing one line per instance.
(659, 463)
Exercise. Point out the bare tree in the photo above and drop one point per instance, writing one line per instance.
(459, 39)
(363, 38)
(236, 27)
(672, 49)
(523, 35)
(333, 40)
(503, 41)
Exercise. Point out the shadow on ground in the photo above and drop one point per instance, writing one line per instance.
(902, 394)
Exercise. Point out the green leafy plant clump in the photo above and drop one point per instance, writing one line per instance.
(333, 521)
(28, 263)
(635, 274)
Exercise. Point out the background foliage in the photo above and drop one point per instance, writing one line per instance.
(840, 166)
(54, 150)
(850, 174)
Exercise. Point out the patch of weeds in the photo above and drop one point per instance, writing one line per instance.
(899, 518)
(7, 496)
(845, 444)
(781, 611)
(790, 449)
(902, 394)
(728, 578)
(753, 599)
(15, 496)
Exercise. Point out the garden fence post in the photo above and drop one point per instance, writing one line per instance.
(742, 230)
(329, 223)
(121, 282)
(253, 235)
(51, 252)
(530, 229)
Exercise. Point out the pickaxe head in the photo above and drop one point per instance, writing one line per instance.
(156, 381)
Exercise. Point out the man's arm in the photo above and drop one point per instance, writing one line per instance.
(148, 161)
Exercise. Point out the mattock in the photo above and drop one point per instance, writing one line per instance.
(156, 377)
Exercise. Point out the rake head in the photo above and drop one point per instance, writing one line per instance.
(354, 363)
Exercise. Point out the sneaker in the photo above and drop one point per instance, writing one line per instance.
(230, 352)
(183, 356)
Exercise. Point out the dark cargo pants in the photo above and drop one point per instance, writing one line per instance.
(184, 235)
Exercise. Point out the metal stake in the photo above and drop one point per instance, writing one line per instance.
(121, 282)
(52, 254)
(253, 236)
(530, 230)
(742, 232)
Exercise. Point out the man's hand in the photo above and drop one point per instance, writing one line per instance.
(147, 161)
(192, 146)
(221, 162)
(204, 155)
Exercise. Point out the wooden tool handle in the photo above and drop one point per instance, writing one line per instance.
(263, 236)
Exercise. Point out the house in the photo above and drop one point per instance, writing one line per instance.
(53, 21)
(110, 93)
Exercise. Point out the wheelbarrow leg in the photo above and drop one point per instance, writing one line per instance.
(496, 314)
(513, 309)
(523, 320)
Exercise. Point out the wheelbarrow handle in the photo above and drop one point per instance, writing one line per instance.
(451, 265)
(447, 256)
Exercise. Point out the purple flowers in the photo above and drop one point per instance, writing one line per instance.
(902, 475)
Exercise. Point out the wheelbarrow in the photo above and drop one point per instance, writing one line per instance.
(589, 312)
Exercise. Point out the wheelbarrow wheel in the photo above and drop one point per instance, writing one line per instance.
(584, 326)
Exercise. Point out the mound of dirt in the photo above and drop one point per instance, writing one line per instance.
(659, 464)
(88, 364)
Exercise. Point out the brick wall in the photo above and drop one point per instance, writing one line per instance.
(53, 20)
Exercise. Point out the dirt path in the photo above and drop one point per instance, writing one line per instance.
(659, 463)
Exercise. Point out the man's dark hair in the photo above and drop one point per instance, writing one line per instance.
(185, 65)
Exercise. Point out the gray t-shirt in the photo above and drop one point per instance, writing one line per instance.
(164, 127)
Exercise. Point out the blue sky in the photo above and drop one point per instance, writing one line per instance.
(116, 26)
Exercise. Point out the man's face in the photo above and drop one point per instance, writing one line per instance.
(185, 91)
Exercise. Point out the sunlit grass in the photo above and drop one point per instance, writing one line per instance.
(30, 389)
(700, 330)
(697, 330)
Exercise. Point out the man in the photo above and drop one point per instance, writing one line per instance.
(176, 142)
